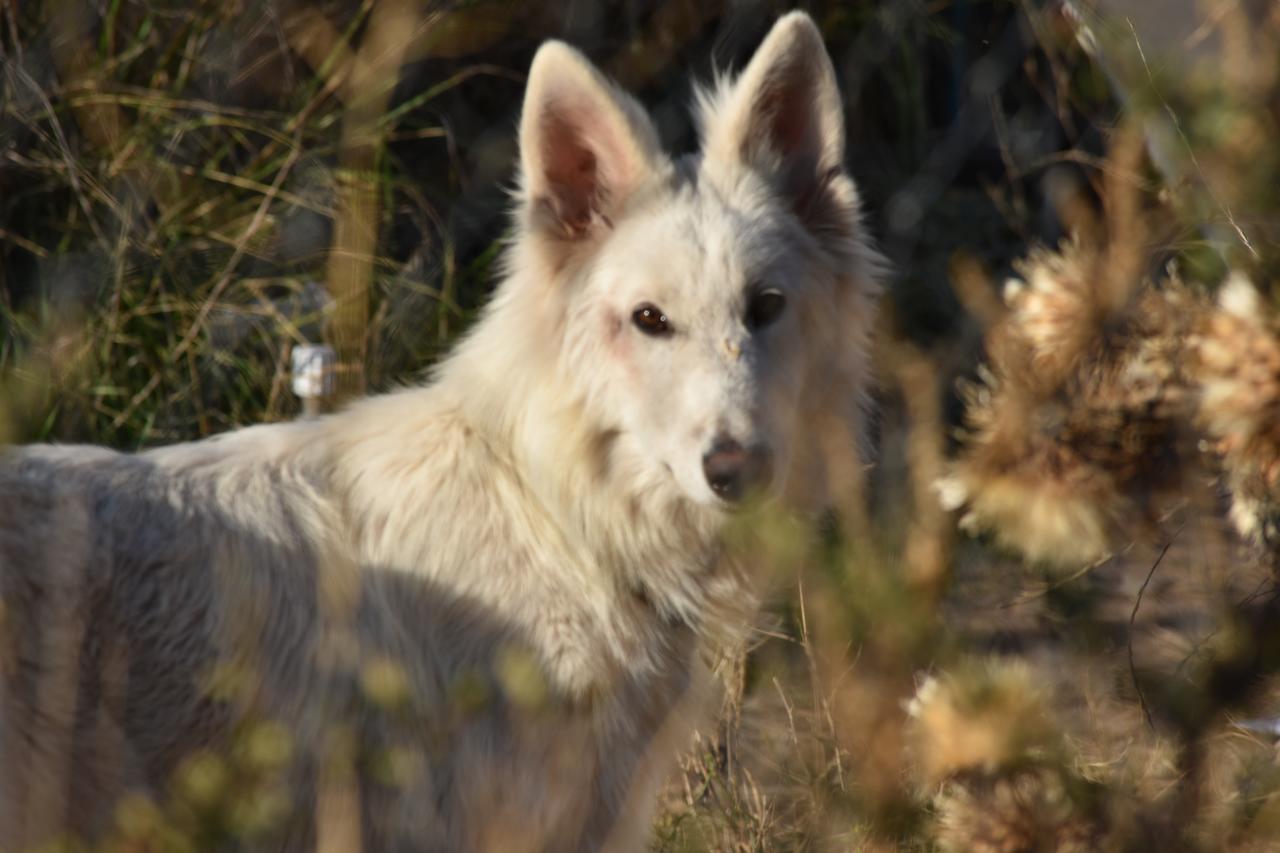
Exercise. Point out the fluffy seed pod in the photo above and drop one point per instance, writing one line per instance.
(1028, 810)
(982, 718)
(987, 747)
(1073, 424)
(1235, 361)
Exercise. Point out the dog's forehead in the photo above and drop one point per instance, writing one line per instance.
(697, 241)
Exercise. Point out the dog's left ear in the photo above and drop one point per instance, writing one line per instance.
(783, 117)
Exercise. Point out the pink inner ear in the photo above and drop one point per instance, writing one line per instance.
(784, 110)
(579, 164)
(786, 123)
(789, 119)
(570, 170)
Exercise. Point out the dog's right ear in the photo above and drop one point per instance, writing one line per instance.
(585, 146)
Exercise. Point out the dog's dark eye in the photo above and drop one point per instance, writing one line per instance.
(650, 320)
(765, 307)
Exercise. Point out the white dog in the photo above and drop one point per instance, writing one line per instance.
(472, 613)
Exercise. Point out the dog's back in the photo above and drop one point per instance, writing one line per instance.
(124, 589)
(162, 610)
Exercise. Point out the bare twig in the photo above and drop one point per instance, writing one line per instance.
(1133, 669)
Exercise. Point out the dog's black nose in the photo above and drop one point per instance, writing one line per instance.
(733, 470)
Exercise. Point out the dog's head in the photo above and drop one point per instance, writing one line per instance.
(713, 310)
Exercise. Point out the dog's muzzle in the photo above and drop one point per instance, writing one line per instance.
(734, 471)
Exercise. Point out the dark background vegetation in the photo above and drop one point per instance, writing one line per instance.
(142, 141)
(188, 190)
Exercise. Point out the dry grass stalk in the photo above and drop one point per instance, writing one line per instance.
(928, 545)
(367, 79)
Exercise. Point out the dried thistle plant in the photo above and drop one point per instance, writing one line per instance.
(1235, 360)
(1027, 810)
(1071, 425)
(989, 751)
(981, 718)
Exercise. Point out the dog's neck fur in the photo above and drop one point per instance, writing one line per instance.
(666, 561)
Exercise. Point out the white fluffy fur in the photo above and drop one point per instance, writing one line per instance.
(532, 528)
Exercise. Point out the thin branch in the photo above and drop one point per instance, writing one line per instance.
(1133, 669)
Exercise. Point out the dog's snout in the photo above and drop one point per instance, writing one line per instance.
(733, 471)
